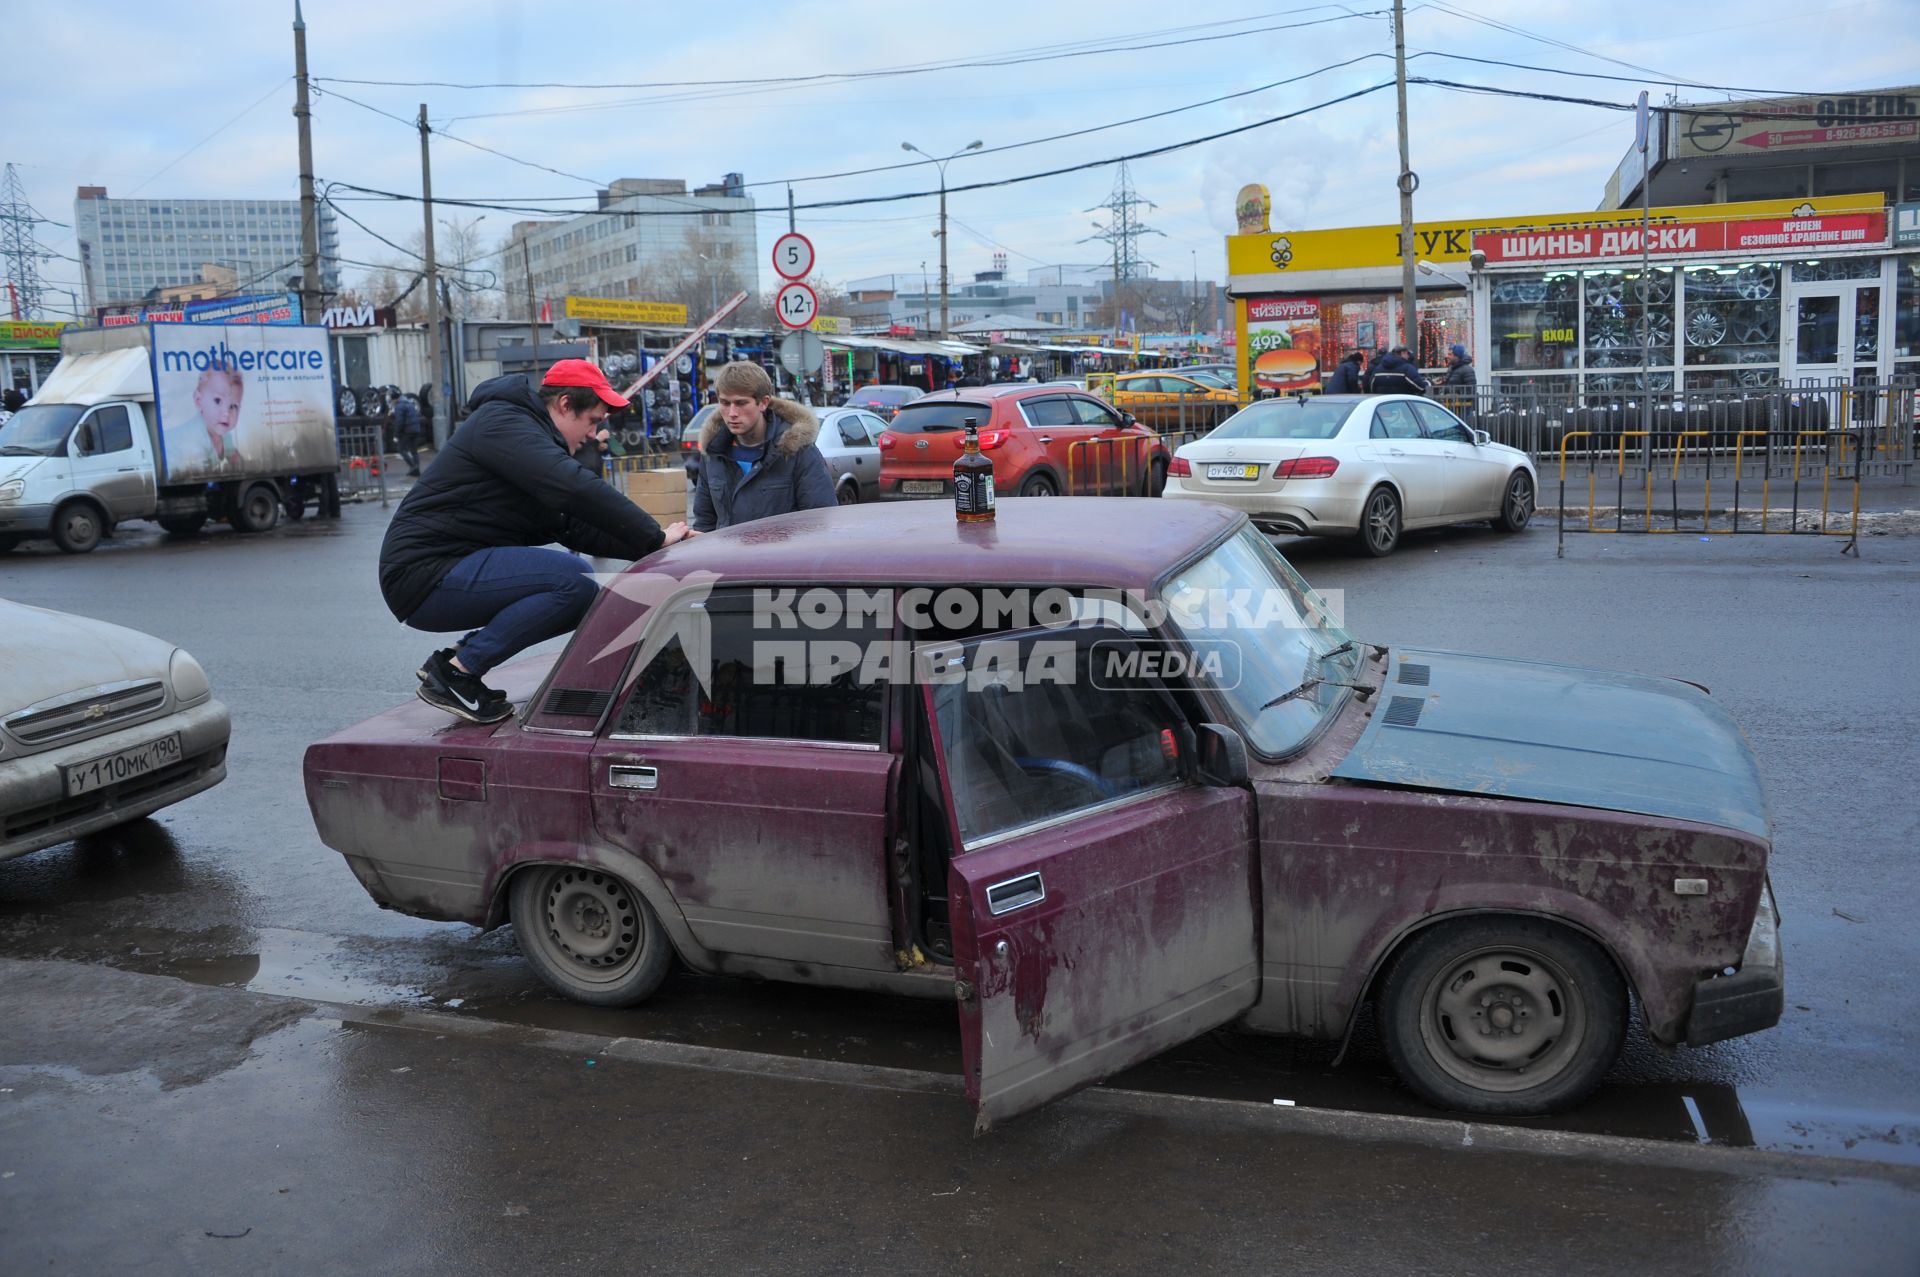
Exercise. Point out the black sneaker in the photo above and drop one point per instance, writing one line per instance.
(445, 655)
(462, 695)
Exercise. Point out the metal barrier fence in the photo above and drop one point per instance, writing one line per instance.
(1773, 464)
(363, 461)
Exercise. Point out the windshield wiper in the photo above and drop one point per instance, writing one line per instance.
(1364, 690)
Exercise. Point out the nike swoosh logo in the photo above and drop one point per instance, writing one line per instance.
(472, 705)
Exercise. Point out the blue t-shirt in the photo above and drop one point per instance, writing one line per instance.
(748, 458)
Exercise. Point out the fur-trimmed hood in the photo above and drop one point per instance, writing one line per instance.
(792, 427)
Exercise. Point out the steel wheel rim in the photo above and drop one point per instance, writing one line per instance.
(1503, 1018)
(81, 527)
(260, 507)
(1519, 501)
(1381, 521)
(591, 923)
(847, 496)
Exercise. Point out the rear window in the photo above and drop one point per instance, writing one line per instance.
(931, 418)
(1286, 419)
(886, 396)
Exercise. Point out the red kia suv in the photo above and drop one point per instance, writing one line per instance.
(1043, 441)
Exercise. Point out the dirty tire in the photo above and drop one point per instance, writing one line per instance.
(295, 506)
(1039, 486)
(78, 527)
(589, 934)
(1380, 523)
(1502, 1016)
(1516, 506)
(1156, 479)
(847, 494)
(258, 511)
(184, 525)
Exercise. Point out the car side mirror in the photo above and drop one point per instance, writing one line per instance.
(1222, 760)
(1129, 418)
(1481, 436)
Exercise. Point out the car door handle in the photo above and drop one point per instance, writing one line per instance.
(619, 777)
(1395, 452)
(1046, 438)
(126, 469)
(1015, 893)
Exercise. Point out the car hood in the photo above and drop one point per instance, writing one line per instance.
(1556, 733)
(12, 468)
(50, 654)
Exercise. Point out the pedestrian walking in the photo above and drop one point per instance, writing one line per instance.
(757, 454)
(425, 400)
(407, 432)
(467, 547)
(1346, 378)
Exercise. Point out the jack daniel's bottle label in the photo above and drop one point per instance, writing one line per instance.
(972, 480)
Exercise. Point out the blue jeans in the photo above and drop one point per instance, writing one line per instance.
(509, 598)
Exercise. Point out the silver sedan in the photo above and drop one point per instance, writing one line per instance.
(849, 440)
(1364, 466)
(99, 725)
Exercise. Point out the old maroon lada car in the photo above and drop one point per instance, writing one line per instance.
(1107, 774)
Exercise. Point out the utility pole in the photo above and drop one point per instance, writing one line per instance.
(433, 282)
(17, 243)
(309, 207)
(1123, 230)
(1408, 184)
(533, 305)
(790, 225)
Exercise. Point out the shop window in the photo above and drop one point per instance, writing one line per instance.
(1839, 268)
(1627, 317)
(1906, 310)
(1752, 378)
(1732, 314)
(1535, 320)
(1444, 322)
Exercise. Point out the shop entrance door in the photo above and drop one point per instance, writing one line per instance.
(1833, 333)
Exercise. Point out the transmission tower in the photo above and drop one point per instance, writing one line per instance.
(17, 245)
(1123, 231)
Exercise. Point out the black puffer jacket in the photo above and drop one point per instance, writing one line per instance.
(505, 478)
(791, 475)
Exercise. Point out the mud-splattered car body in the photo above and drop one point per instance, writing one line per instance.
(1095, 872)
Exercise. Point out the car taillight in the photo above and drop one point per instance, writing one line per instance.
(1306, 468)
(1179, 468)
(887, 440)
(990, 439)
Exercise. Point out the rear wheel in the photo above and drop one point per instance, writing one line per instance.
(847, 494)
(1516, 507)
(1380, 523)
(1502, 1015)
(295, 505)
(78, 527)
(589, 934)
(259, 509)
(1039, 486)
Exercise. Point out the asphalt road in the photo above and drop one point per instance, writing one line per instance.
(1814, 654)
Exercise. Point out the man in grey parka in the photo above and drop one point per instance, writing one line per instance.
(757, 454)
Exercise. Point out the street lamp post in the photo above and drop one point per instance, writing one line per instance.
(713, 288)
(941, 163)
(926, 315)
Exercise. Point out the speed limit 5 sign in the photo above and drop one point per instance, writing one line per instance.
(793, 255)
(796, 305)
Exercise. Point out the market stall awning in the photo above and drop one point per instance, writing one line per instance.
(902, 345)
(1011, 324)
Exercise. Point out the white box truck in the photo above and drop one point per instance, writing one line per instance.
(177, 423)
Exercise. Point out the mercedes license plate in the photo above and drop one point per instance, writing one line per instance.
(1233, 471)
(923, 487)
(98, 773)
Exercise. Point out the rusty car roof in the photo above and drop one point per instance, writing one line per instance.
(1101, 542)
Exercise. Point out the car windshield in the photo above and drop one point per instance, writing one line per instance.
(1213, 379)
(1286, 419)
(945, 414)
(1246, 598)
(38, 429)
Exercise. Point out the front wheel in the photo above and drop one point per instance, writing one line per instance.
(1516, 507)
(77, 527)
(1502, 1015)
(589, 934)
(1380, 523)
(1156, 479)
(847, 494)
(1038, 486)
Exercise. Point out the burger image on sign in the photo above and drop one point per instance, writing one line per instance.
(1283, 342)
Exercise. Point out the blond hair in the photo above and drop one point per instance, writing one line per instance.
(743, 378)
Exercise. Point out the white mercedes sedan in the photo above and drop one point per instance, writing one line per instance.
(99, 725)
(1365, 466)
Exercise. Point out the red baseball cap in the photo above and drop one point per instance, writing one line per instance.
(582, 372)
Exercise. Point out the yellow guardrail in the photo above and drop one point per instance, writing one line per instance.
(1105, 467)
(1844, 441)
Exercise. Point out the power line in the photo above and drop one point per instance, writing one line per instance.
(277, 85)
(1443, 7)
(413, 126)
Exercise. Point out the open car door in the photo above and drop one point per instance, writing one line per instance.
(1101, 899)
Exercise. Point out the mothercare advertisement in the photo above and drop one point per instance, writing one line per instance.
(242, 399)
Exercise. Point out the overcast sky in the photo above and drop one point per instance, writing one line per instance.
(195, 101)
